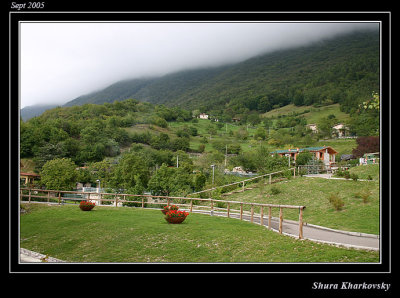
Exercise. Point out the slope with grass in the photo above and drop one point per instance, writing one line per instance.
(356, 215)
(108, 234)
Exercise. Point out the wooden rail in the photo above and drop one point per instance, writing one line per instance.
(246, 180)
(200, 203)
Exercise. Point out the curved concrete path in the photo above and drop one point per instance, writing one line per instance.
(315, 233)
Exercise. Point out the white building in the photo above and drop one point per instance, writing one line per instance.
(203, 116)
(313, 127)
(340, 130)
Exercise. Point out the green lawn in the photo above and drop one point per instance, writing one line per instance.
(314, 114)
(366, 171)
(313, 193)
(108, 234)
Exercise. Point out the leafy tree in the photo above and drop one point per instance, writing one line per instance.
(180, 144)
(130, 172)
(48, 152)
(184, 160)
(59, 174)
(303, 158)
(199, 180)
(170, 181)
(325, 126)
(260, 134)
(366, 145)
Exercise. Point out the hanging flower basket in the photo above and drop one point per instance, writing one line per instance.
(86, 206)
(175, 216)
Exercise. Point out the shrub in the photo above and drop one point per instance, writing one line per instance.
(336, 201)
(339, 173)
(275, 190)
(346, 174)
(354, 177)
(364, 195)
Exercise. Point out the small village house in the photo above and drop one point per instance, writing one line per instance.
(340, 130)
(369, 158)
(313, 127)
(28, 178)
(326, 153)
(203, 116)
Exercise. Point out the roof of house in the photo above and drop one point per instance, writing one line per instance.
(29, 174)
(312, 149)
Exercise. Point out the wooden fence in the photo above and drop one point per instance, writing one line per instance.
(190, 204)
(247, 180)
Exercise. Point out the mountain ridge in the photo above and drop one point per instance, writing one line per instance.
(343, 69)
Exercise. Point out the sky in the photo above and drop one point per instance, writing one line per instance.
(62, 61)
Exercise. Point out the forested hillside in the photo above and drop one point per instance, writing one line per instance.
(341, 70)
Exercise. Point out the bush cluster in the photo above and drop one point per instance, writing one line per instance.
(336, 201)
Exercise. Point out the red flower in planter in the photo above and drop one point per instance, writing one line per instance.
(175, 216)
(168, 208)
(86, 205)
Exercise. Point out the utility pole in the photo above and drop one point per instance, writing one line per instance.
(226, 153)
(213, 167)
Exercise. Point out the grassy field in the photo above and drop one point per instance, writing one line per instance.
(343, 146)
(313, 193)
(108, 234)
(313, 115)
(366, 171)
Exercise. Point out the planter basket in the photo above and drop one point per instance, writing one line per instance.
(86, 207)
(175, 220)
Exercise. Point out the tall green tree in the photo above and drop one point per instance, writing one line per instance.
(59, 174)
(170, 181)
(131, 173)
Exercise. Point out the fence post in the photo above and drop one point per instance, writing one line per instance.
(116, 200)
(142, 202)
(241, 211)
(243, 187)
(262, 216)
(59, 198)
(228, 209)
(29, 195)
(269, 217)
(301, 223)
(168, 202)
(212, 208)
(280, 220)
(270, 179)
(252, 213)
(191, 205)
